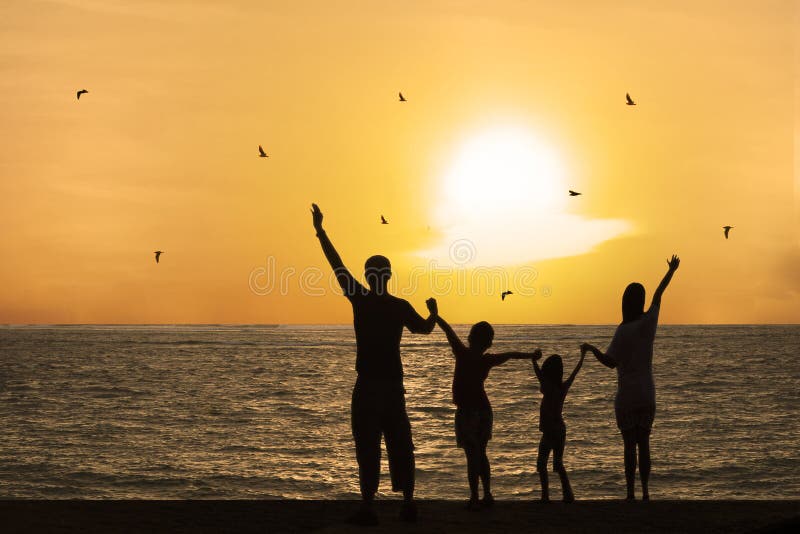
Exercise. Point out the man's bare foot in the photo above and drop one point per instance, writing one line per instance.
(473, 504)
(488, 500)
(569, 498)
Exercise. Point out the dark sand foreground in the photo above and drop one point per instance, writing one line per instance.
(435, 516)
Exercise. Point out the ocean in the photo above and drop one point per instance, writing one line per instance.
(262, 412)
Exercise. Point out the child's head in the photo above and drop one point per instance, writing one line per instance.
(553, 369)
(481, 336)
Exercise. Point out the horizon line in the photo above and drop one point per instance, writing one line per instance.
(351, 324)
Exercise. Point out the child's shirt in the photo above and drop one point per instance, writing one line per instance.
(469, 377)
(553, 395)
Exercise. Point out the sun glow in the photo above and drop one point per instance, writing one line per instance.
(506, 192)
(504, 170)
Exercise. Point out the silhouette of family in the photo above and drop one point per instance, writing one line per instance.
(378, 408)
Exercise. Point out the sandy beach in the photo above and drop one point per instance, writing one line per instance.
(435, 516)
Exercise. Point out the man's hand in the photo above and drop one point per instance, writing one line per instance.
(431, 303)
(317, 217)
(674, 263)
(537, 354)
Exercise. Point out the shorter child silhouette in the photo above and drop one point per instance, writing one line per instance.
(551, 422)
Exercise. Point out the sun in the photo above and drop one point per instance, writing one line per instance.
(506, 195)
(500, 171)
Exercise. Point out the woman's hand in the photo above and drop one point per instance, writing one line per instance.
(674, 263)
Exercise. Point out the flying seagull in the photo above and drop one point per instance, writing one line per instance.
(402, 98)
(573, 193)
(82, 91)
(261, 153)
(727, 229)
(158, 254)
(504, 293)
(628, 100)
(383, 220)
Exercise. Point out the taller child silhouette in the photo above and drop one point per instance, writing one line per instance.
(378, 405)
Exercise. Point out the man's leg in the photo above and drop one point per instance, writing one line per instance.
(367, 436)
(400, 450)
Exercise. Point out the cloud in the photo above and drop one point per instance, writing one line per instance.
(515, 240)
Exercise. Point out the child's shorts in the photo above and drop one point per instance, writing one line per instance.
(473, 427)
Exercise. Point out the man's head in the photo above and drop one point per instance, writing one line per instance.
(377, 271)
(481, 336)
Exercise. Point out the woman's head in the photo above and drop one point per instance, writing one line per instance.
(553, 369)
(632, 302)
(481, 336)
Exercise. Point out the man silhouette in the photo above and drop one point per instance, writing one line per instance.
(378, 404)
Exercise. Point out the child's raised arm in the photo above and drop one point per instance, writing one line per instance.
(503, 357)
(571, 378)
(536, 368)
(452, 337)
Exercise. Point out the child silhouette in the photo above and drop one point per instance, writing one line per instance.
(551, 422)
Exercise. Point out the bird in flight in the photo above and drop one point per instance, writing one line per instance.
(402, 98)
(82, 91)
(628, 100)
(158, 254)
(261, 153)
(383, 220)
(504, 293)
(573, 193)
(727, 229)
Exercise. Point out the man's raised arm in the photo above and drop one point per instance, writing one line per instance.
(348, 284)
(414, 321)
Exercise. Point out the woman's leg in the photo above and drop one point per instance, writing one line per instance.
(643, 442)
(629, 437)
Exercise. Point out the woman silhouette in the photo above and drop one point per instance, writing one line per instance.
(631, 354)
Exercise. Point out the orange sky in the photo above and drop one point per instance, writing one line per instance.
(161, 154)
